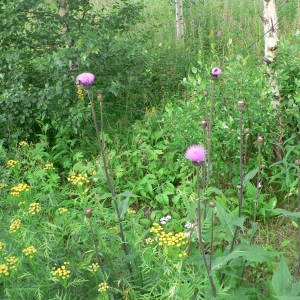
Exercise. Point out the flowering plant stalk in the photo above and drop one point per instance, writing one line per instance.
(196, 154)
(88, 214)
(86, 80)
(214, 76)
(110, 185)
(241, 108)
(297, 162)
(201, 243)
(260, 142)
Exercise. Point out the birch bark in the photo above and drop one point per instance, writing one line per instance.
(179, 20)
(271, 28)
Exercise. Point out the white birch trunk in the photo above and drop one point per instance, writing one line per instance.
(62, 10)
(271, 27)
(179, 20)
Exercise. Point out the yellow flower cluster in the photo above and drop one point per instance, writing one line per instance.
(94, 267)
(1, 245)
(62, 271)
(4, 270)
(169, 239)
(80, 93)
(149, 241)
(3, 185)
(16, 190)
(34, 208)
(78, 179)
(11, 261)
(23, 143)
(63, 210)
(132, 211)
(11, 163)
(21, 203)
(49, 167)
(29, 251)
(102, 287)
(15, 225)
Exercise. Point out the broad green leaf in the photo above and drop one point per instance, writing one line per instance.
(226, 219)
(250, 175)
(285, 212)
(123, 207)
(251, 253)
(282, 282)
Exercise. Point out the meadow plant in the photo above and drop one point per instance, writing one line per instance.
(86, 80)
(196, 154)
(214, 76)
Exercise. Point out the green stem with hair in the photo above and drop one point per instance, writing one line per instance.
(109, 182)
(201, 244)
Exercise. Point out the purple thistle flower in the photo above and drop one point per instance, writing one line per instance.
(196, 154)
(86, 79)
(215, 72)
(219, 33)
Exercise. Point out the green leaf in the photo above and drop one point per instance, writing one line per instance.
(226, 219)
(282, 282)
(252, 253)
(285, 212)
(250, 175)
(124, 204)
(123, 207)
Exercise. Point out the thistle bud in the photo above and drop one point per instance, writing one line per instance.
(203, 124)
(260, 141)
(212, 204)
(247, 130)
(297, 162)
(205, 92)
(88, 213)
(100, 97)
(241, 105)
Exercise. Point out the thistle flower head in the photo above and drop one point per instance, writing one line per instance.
(196, 154)
(260, 140)
(215, 72)
(85, 79)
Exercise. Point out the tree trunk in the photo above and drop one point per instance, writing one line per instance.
(270, 21)
(179, 20)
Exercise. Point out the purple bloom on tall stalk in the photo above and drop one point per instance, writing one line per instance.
(85, 79)
(215, 72)
(196, 154)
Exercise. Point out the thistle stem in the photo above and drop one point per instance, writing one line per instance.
(241, 185)
(212, 238)
(209, 134)
(298, 267)
(96, 247)
(201, 244)
(110, 185)
(258, 184)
